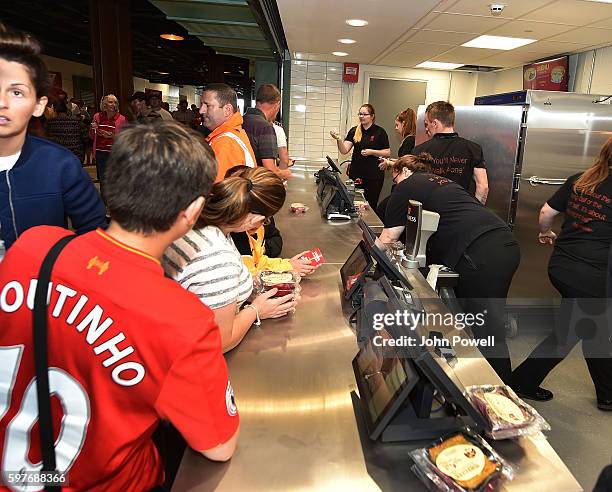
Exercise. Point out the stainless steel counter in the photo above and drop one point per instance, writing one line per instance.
(300, 428)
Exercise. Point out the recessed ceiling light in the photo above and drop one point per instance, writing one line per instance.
(347, 41)
(357, 22)
(172, 37)
(497, 42)
(600, 1)
(339, 53)
(439, 65)
(163, 73)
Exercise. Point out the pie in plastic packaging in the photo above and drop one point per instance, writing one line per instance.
(286, 282)
(506, 414)
(460, 462)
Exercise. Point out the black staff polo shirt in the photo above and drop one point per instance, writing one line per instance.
(374, 138)
(586, 234)
(462, 218)
(454, 157)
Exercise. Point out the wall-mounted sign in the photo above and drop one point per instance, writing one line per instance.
(549, 75)
(350, 73)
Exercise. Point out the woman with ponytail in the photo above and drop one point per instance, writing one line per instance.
(578, 270)
(470, 239)
(207, 263)
(41, 183)
(369, 142)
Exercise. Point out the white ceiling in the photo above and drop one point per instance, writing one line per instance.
(407, 32)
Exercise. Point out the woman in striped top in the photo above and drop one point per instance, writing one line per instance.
(206, 262)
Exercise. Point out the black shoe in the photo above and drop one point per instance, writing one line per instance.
(539, 394)
(605, 405)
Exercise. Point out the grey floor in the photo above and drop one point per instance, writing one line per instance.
(580, 433)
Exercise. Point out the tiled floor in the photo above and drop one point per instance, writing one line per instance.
(580, 433)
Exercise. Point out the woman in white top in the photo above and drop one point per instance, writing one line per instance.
(206, 262)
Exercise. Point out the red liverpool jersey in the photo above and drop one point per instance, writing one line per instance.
(127, 347)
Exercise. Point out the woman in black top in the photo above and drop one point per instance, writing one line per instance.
(470, 239)
(405, 125)
(578, 270)
(370, 142)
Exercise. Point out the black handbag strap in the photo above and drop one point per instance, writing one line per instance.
(39, 332)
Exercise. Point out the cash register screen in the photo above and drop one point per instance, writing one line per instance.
(355, 268)
(384, 376)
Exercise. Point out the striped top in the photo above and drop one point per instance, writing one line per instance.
(207, 263)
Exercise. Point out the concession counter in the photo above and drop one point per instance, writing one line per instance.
(302, 427)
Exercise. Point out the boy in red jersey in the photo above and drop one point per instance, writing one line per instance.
(127, 346)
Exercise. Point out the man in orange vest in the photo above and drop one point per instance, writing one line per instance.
(228, 140)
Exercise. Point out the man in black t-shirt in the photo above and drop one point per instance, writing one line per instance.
(453, 157)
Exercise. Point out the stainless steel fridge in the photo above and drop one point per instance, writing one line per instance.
(532, 141)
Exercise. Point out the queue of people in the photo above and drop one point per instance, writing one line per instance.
(110, 280)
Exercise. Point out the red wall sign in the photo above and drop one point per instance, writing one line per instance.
(549, 75)
(350, 73)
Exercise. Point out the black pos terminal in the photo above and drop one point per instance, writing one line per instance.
(337, 201)
(407, 389)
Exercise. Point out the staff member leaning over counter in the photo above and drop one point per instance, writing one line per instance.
(454, 157)
(470, 239)
(206, 262)
(370, 142)
(577, 269)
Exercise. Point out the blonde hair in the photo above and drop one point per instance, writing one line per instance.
(358, 131)
(597, 173)
(104, 101)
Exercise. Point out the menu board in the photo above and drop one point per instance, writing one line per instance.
(549, 75)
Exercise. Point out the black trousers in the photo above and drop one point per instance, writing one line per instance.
(485, 273)
(372, 188)
(581, 317)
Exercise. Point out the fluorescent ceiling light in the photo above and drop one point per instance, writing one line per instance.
(439, 65)
(600, 1)
(352, 41)
(339, 53)
(357, 22)
(497, 42)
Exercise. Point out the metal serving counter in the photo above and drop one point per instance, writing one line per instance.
(300, 428)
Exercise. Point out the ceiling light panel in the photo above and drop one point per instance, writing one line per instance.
(357, 22)
(497, 42)
(347, 41)
(439, 65)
